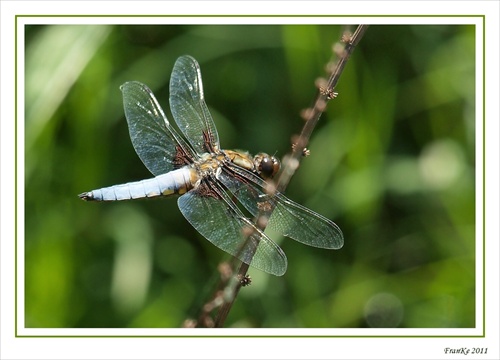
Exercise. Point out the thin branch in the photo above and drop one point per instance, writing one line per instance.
(229, 285)
(326, 93)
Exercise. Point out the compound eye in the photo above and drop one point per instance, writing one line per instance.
(269, 166)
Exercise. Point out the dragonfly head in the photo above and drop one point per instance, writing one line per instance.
(267, 166)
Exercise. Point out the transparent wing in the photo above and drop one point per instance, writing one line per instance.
(188, 107)
(211, 212)
(155, 141)
(288, 218)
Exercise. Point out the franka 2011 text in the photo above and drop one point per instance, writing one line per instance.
(465, 351)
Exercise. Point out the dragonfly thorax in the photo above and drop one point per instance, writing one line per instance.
(262, 164)
(209, 164)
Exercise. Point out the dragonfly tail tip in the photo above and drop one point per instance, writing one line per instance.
(87, 196)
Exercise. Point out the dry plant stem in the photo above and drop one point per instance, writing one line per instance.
(291, 163)
(226, 306)
(325, 94)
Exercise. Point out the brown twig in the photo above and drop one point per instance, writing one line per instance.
(326, 93)
(229, 285)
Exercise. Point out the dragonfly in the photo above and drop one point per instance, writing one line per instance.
(208, 179)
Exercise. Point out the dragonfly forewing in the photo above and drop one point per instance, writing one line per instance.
(187, 103)
(288, 218)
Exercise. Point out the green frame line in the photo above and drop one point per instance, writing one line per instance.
(482, 16)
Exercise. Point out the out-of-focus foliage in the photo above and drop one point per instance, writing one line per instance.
(392, 163)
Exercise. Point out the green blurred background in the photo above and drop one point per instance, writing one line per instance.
(392, 163)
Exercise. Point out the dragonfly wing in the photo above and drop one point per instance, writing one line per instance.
(211, 212)
(187, 103)
(288, 218)
(158, 145)
(304, 225)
